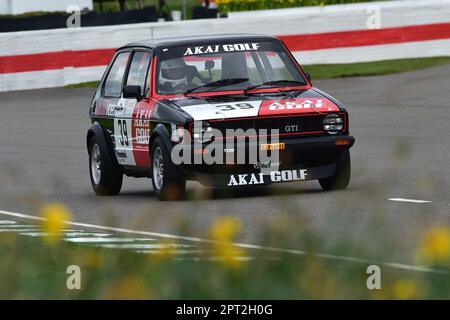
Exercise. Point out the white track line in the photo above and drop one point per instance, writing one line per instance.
(17, 226)
(409, 200)
(143, 246)
(104, 239)
(19, 230)
(241, 245)
(4, 222)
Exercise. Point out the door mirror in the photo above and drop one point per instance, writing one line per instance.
(308, 76)
(209, 64)
(130, 92)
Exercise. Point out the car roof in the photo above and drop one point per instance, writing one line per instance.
(193, 39)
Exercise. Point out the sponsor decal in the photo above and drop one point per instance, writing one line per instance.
(262, 165)
(266, 164)
(273, 146)
(297, 106)
(221, 48)
(121, 154)
(246, 179)
(111, 110)
(274, 176)
(142, 135)
(288, 105)
(288, 175)
(141, 125)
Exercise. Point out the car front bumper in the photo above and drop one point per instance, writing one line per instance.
(301, 159)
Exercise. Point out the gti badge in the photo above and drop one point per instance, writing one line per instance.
(292, 128)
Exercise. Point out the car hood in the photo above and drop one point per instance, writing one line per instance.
(256, 105)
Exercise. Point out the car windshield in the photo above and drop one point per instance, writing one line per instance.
(225, 67)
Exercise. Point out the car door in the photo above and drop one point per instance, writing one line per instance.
(131, 124)
(109, 102)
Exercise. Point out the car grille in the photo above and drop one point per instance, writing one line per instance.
(287, 126)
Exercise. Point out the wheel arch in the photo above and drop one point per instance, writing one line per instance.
(96, 130)
(162, 132)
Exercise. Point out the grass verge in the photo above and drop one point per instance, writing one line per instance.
(377, 68)
(91, 84)
(32, 269)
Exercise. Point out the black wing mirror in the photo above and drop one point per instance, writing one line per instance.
(209, 64)
(130, 92)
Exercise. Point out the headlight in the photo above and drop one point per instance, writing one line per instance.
(202, 132)
(333, 123)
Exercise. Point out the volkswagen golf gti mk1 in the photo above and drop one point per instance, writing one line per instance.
(225, 110)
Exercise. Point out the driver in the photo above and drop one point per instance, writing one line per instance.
(173, 75)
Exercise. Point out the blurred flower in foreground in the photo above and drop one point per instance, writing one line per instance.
(166, 252)
(225, 229)
(127, 288)
(90, 259)
(406, 289)
(435, 246)
(55, 216)
(223, 232)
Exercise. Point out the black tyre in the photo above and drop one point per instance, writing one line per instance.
(168, 182)
(106, 176)
(341, 177)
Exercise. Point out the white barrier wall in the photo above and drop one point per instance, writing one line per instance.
(330, 34)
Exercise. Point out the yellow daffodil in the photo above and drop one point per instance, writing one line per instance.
(55, 217)
(435, 246)
(166, 252)
(223, 232)
(127, 288)
(405, 290)
(225, 229)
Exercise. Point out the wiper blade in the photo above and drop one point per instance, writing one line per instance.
(218, 84)
(276, 83)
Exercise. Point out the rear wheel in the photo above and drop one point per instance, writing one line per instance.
(341, 177)
(106, 177)
(168, 182)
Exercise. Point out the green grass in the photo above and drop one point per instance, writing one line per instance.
(131, 4)
(233, 5)
(365, 69)
(91, 84)
(32, 269)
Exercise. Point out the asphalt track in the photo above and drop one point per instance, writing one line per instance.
(401, 123)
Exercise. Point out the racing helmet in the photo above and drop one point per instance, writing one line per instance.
(173, 72)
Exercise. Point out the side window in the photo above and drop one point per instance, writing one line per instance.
(113, 82)
(137, 75)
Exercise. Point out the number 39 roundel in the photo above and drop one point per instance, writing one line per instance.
(123, 133)
(223, 110)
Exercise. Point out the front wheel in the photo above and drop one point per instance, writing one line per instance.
(168, 182)
(341, 177)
